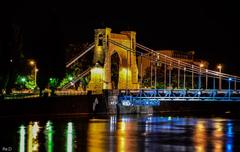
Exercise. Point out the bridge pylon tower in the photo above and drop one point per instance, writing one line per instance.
(104, 49)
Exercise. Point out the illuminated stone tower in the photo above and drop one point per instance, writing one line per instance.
(104, 49)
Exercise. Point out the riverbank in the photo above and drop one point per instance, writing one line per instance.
(98, 104)
(57, 105)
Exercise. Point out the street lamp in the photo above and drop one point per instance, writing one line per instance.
(178, 74)
(206, 79)
(220, 81)
(199, 78)
(229, 87)
(192, 77)
(184, 78)
(33, 63)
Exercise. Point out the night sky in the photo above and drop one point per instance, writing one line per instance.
(212, 30)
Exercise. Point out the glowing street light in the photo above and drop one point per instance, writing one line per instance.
(32, 62)
(220, 80)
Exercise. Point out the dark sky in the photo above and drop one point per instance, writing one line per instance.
(212, 30)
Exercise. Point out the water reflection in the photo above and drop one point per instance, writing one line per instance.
(112, 129)
(97, 135)
(49, 136)
(229, 142)
(127, 134)
(33, 130)
(121, 133)
(199, 136)
(70, 137)
(217, 136)
(22, 133)
(130, 133)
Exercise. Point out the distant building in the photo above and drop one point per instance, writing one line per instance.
(179, 55)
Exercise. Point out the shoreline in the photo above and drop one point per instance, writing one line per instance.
(84, 105)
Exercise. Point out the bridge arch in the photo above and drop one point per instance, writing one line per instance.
(115, 64)
(103, 51)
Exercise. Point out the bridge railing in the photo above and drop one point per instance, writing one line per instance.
(154, 97)
(181, 93)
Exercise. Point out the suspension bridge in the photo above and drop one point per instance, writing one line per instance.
(130, 86)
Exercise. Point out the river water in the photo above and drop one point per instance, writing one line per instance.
(131, 133)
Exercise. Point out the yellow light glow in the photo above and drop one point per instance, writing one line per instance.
(30, 139)
(201, 65)
(200, 136)
(97, 70)
(219, 66)
(97, 74)
(33, 130)
(32, 62)
(125, 130)
(125, 77)
(96, 136)
(121, 136)
(217, 135)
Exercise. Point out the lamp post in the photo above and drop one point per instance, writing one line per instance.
(199, 78)
(141, 69)
(206, 79)
(184, 78)
(155, 73)
(33, 63)
(229, 87)
(214, 82)
(165, 72)
(192, 77)
(178, 74)
(170, 76)
(220, 79)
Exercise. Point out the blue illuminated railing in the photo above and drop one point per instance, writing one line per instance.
(153, 97)
(133, 101)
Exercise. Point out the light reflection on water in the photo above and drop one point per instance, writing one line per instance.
(96, 135)
(49, 136)
(70, 137)
(129, 133)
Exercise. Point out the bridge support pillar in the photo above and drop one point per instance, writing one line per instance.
(96, 83)
(106, 44)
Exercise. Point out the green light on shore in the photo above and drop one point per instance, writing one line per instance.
(70, 78)
(22, 139)
(23, 79)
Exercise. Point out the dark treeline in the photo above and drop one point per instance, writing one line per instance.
(30, 32)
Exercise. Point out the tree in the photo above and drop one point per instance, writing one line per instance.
(72, 51)
(11, 54)
(47, 40)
